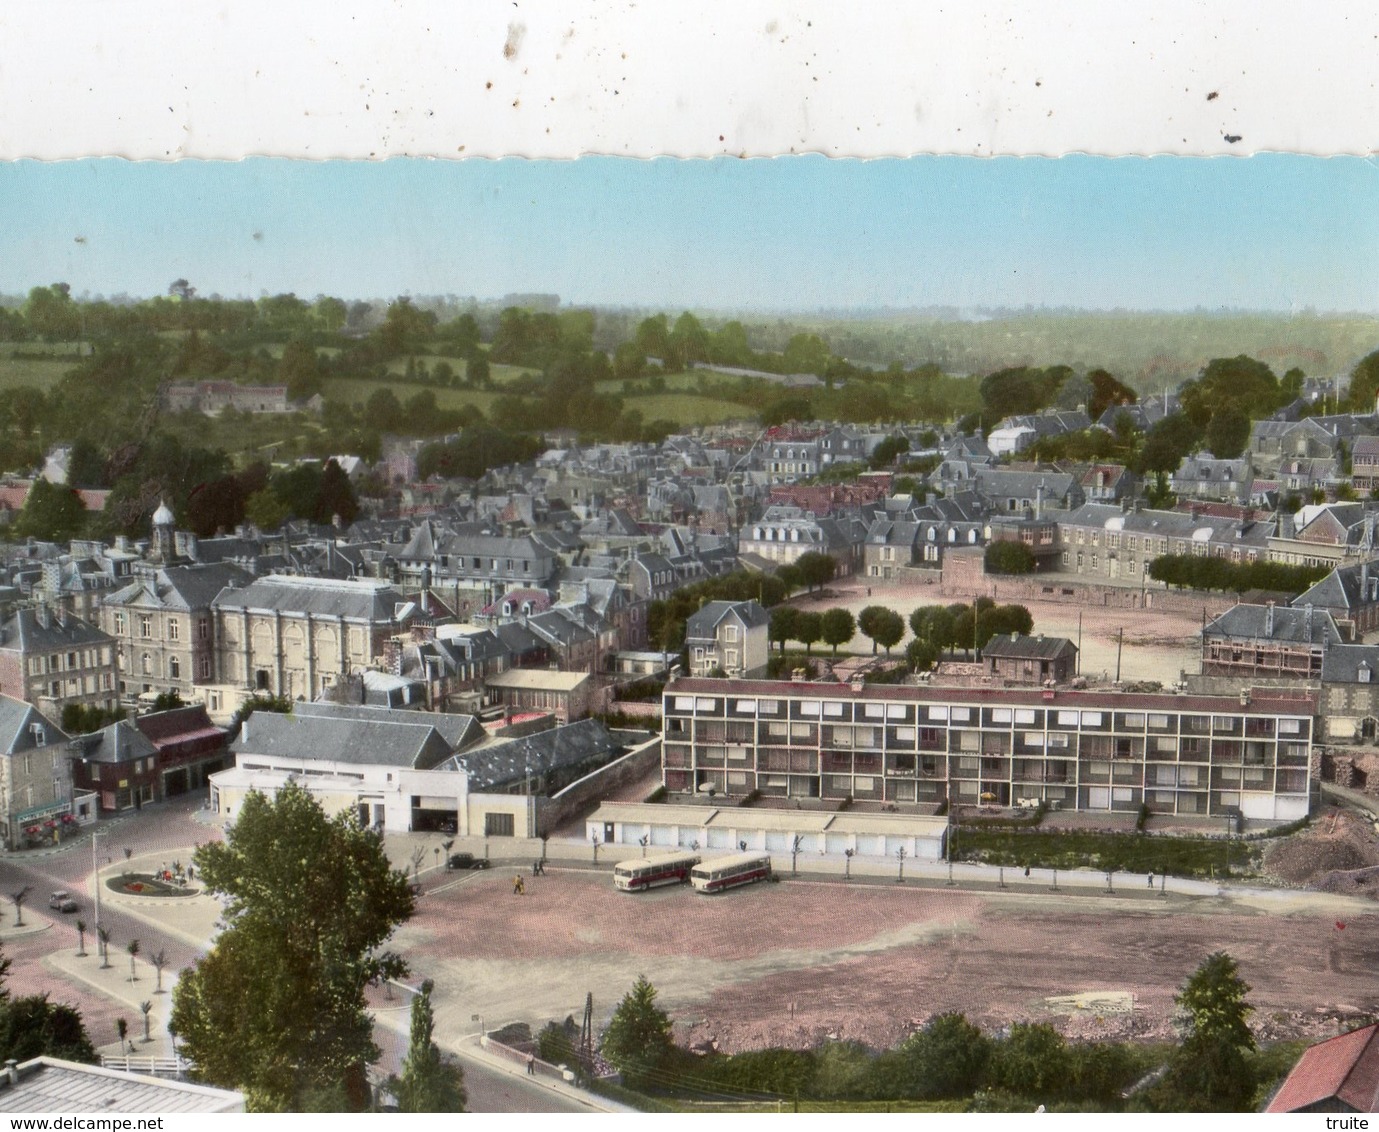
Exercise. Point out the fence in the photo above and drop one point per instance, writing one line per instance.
(149, 1066)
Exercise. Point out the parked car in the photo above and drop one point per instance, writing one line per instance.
(467, 861)
(62, 902)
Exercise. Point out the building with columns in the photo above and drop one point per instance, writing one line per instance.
(294, 637)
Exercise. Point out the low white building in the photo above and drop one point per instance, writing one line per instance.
(731, 829)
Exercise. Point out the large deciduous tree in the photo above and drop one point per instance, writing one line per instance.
(277, 1008)
(839, 626)
(637, 1042)
(816, 569)
(52, 511)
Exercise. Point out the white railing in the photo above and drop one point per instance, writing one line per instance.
(150, 1066)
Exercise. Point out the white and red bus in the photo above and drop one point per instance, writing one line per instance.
(648, 872)
(729, 872)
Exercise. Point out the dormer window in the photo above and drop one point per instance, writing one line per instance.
(39, 733)
(1365, 674)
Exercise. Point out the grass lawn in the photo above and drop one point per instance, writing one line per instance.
(687, 409)
(40, 372)
(357, 390)
(265, 436)
(1124, 852)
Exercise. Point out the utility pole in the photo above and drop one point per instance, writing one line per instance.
(1079, 642)
(1120, 640)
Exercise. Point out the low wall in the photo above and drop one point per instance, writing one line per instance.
(600, 783)
(1074, 591)
(641, 709)
(519, 1057)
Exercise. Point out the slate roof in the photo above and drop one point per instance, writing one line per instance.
(361, 741)
(357, 600)
(505, 761)
(184, 587)
(120, 742)
(704, 622)
(1016, 647)
(457, 730)
(25, 631)
(1343, 588)
(16, 719)
(1344, 1067)
(1250, 622)
(1341, 664)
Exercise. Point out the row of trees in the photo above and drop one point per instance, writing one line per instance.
(1190, 571)
(1212, 1069)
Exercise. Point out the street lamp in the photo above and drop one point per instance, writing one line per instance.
(96, 880)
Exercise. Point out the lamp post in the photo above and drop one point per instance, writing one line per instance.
(96, 879)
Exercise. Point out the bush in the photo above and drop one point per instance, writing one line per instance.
(1008, 557)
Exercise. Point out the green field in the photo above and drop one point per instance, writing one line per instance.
(265, 436)
(357, 390)
(687, 409)
(42, 372)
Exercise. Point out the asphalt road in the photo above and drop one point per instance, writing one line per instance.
(171, 826)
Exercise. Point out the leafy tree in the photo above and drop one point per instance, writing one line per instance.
(32, 1026)
(336, 496)
(265, 510)
(299, 370)
(1107, 391)
(791, 576)
(556, 1042)
(1227, 433)
(1211, 1070)
(869, 621)
(1167, 443)
(277, 1008)
(1005, 556)
(809, 628)
(838, 627)
(1364, 384)
(816, 569)
(921, 655)
(52, 512)
(637, 1042)
(886, 452)
(430, 1081)
(784, 625)
(947, 1058)
(884, 626)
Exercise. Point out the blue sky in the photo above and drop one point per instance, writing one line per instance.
(1273, 232)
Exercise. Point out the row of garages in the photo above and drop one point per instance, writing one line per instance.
(775, 831)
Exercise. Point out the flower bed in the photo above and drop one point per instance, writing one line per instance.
(146, 884)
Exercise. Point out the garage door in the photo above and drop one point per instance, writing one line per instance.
(894, 844)
(720, 838)
(663, 835)
(777, 841)
(871, 845)
(837, 843)
(810, 842)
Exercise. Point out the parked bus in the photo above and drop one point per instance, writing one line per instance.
(648, 872)
(729, 872)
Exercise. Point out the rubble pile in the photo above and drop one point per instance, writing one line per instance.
(1320, 856)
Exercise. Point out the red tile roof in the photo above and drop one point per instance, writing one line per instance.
(1345, 1068)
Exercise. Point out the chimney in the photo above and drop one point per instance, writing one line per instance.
(12, 1071)
(1364, 581)
(1269, 619)
(1039, 500)
(1307, 625)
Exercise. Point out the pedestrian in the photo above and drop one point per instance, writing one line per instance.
(542, 864)
(1151, 882)
(1026, 870)
(531, 1066)
(535, 868)
(521, 887)
(517, 886)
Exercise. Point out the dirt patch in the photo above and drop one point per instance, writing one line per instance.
(1337, 853)
(795, 963)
